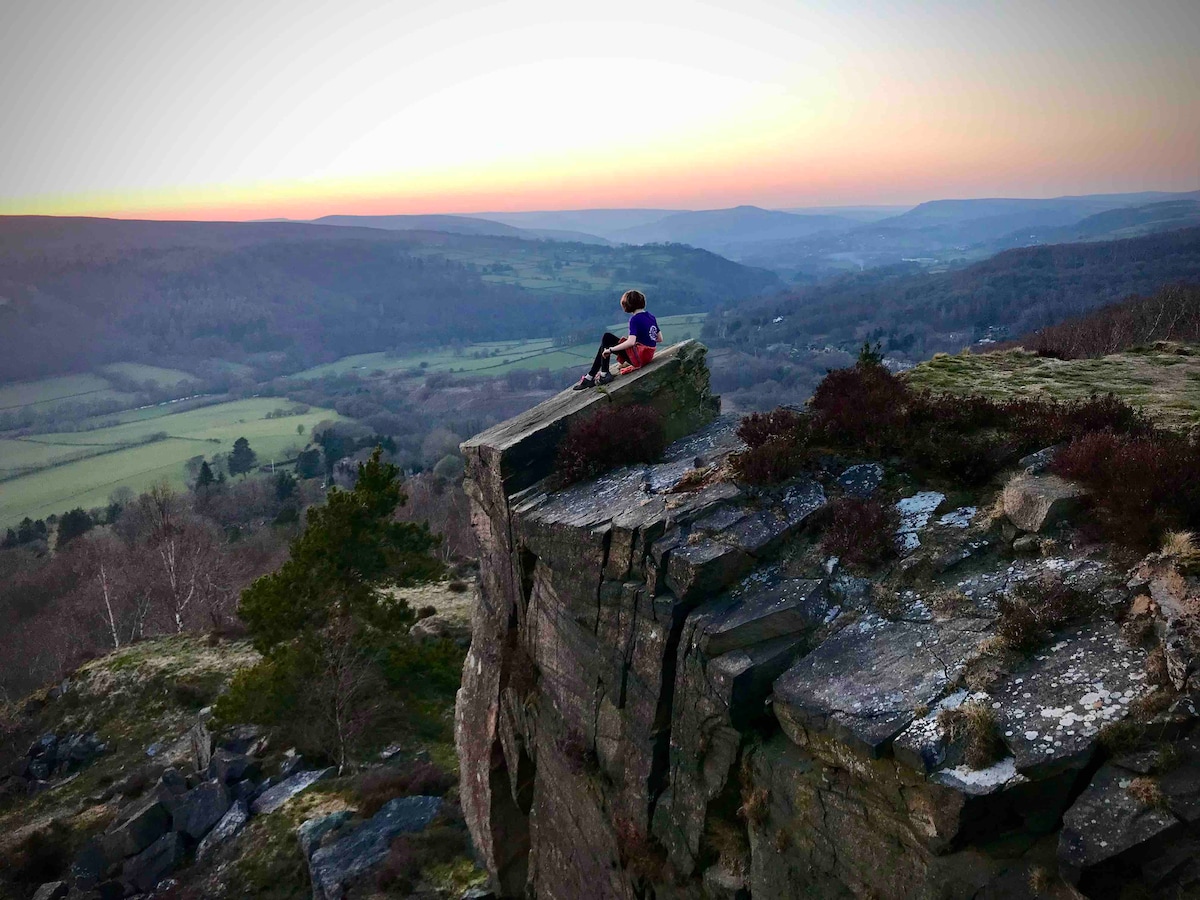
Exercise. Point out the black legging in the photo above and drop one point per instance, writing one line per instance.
(601, 363)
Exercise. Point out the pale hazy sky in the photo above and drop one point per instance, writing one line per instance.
(256, 108)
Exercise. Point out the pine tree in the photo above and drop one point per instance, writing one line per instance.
(242, 458)
(205, 478)
(72, 525)
(326, 623)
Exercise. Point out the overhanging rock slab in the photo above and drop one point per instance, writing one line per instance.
(863, 685)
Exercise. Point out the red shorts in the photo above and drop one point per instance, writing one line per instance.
(636, 357)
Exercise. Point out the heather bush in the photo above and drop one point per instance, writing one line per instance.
(1142, 486)
(611, 437)
(864, 407)
(859, 532)
(757, 429)
(867, 411)
(422, 778)
(1037, 608)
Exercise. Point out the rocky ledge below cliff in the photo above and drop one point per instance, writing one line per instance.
(673, 692)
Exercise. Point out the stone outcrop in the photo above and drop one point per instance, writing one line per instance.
(1033, 502)
(671, 693)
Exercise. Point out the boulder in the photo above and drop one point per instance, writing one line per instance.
(861, 481)
(1106, 821)
(155, 863)
(200, 809)
(1039, 463)
(201, 742)
(51, 890)
(146, 823)
(863, 685)
(309, 834)
(1035, 502)
(332, 868)
(274, 797)
(231, 823)
(230, 768)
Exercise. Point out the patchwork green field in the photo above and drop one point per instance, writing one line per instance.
(498, 357)
(46, 391)
(1163, 382)
(41, 474)
(84, 468)
(164, 378)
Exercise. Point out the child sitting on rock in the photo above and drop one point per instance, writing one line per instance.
(634, 351)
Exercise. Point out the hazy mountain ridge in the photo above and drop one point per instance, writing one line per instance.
(282, 296)
(919, 312)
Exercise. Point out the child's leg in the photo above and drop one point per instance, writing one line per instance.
(601, 362)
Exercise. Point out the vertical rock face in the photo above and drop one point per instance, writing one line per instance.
(669, 694)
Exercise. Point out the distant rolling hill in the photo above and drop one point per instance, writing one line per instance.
(1113, 224)
(605, 223)
(920, 312)
(284, 296)
(449, 224)
(724, 230)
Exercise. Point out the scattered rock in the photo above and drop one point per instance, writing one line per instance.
(1039, 462)
(1105, 821)
(862, 480)
(201, 746)
(333, 867)
(1034, 502)
(309, 834)
(273, 798)
(155, 863)
(200, 809)
(148, 821)
(51, 890)
(914, 515)
(1027, 545)
(230, 768)
(231, 823)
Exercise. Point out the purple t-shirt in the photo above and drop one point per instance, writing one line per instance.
(644, 327)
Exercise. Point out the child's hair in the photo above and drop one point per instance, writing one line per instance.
(632, 301)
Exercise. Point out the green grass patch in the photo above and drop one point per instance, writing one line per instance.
(46, 393)
(1164, 385)
(163, 378)
(105, 460)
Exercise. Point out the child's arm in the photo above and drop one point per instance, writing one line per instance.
(623, 345)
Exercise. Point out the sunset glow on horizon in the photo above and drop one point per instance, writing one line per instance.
(235, 111)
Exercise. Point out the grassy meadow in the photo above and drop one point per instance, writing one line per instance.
(46, 473)
(83, 468)
(1163, 383)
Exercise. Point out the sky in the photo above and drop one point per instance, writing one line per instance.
(243, 109)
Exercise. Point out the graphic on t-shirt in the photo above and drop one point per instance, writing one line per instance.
(644, 327)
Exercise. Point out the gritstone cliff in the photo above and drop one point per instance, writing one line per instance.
(672, 693)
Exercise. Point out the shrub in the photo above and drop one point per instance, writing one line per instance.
(421, 778)
(974, 724)
(410, 854)
(1037, 608)
(457, 587)
(1172, 314)
(1142, 486)
(859, 532)
(757, 429)
(863, 406)
(611, 437)
(1146, 791)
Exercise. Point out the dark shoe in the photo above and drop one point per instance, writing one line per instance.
(605, 378)
(584, 383)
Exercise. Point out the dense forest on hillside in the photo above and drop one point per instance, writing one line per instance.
(918, 314)
(75, 293)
